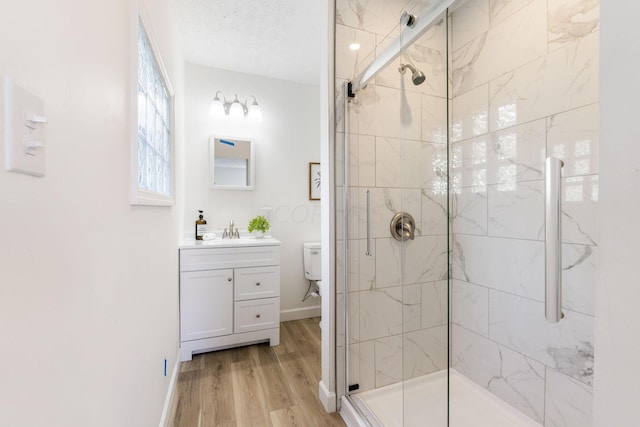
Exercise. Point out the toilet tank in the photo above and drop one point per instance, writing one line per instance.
(311, 258)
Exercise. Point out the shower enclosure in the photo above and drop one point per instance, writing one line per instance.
(445, 113)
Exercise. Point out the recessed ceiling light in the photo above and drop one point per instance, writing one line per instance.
(354, 46)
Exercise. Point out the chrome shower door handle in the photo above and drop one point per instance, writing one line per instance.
(402, 226)
(553, 240)
(368, 253)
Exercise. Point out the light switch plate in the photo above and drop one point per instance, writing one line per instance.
(19, 133)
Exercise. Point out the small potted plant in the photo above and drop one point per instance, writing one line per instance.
(260, 225)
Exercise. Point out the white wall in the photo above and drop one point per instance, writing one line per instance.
(617, 382)
(327, 387)
(287, 139)
(88, 283)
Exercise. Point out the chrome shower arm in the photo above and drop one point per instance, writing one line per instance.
(425, 21)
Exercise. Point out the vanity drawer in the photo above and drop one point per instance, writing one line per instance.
(214, 258)
(254, 315)
(258, 282)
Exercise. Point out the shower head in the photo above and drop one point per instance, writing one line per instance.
(417, 76)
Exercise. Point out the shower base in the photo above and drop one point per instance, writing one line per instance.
(425, 404)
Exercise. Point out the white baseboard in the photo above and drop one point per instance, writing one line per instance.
(300, 313)
(328, 398)
(168, 401)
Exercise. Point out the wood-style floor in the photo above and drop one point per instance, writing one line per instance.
(255, 385)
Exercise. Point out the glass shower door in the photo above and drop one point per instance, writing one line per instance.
(425, 257)
(391, 160)
(473, 348)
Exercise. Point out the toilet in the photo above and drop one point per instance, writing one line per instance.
(311, 258)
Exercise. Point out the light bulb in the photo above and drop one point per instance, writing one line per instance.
(216, 109)
(236, 110)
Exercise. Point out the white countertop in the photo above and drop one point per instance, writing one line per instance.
(228, 243)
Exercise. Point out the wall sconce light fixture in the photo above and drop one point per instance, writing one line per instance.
(236, 109)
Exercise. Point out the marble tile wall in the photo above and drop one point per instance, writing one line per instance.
(397, 132)
(524, 83)
(525, 86)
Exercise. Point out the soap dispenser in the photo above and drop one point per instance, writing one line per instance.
(201, 226)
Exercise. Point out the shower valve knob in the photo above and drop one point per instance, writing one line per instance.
(402, 226)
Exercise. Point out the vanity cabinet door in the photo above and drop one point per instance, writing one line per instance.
(206, 304)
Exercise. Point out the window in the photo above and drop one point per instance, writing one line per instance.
(153, 151)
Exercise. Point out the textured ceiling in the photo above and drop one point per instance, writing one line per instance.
(272, 38)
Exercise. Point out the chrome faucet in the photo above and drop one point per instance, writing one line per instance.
(234, 233)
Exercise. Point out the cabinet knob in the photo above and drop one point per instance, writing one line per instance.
(257, 316)
(229, 279)
(257, 283)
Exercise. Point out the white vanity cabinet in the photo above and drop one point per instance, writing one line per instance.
(229, 294)
(204, 304)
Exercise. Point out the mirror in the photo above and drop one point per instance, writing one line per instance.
(232, 163)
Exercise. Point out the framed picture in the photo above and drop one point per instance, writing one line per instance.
(314, 181)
